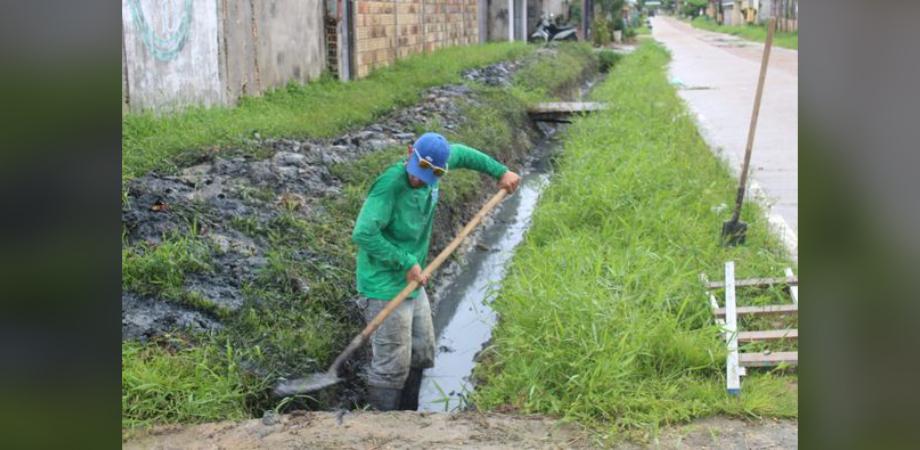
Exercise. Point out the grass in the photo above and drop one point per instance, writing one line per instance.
(603, 319)
(318, 109)
(547, 76)
(181, 385)
(160, 269)
(786, 39)
(296, 315)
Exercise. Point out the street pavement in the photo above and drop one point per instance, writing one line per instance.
(717, 78)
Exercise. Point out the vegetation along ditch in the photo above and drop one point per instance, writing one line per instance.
(602, 315)
(237, 259)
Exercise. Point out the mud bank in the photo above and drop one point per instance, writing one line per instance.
(229, 193)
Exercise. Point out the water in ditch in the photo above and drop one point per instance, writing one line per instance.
(464, 319)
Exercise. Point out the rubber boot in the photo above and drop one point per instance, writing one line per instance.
(383, 399)
(410, 390)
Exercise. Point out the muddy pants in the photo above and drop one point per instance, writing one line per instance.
(405, 340)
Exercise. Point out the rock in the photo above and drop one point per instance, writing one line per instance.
(270, 418)
(195, 174)
(380, 144)
(220, 241)
(287, 172)
(260, 172)
(289, 159)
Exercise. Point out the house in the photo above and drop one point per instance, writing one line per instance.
(524, 18)
(739, 12)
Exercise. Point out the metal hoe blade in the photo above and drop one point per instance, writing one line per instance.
(734, 232)
(315, 382)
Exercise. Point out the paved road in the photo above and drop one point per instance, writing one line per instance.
(719, 74)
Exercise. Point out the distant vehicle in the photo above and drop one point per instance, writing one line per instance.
(548, 31)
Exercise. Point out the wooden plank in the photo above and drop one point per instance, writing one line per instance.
(566, 107)
(756, 282)
(767, 335)
(769, 359)
(793, 289)
(712, 298)
(732, 376)
(765, 310)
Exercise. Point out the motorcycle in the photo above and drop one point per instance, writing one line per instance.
(548, 31)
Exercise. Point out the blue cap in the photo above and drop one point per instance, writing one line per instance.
(435, 149)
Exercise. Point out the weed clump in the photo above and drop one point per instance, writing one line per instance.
(181, 384)
(607, 59)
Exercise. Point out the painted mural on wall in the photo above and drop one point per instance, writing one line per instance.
(167, 41)
(171, 53)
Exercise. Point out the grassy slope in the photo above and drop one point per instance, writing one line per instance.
(172, 381)
(603, 317)
(750, 32)
(318, 109)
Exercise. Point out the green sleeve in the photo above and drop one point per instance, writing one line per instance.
(373, 218)
(464, 157)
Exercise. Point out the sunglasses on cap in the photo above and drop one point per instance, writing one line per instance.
(427, 165)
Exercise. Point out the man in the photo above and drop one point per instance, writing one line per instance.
(392, 233)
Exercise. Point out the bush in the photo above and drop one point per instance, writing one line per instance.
(602, 33)
(607, 59)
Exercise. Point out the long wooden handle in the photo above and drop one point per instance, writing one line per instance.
(359, 340)
(739, 198)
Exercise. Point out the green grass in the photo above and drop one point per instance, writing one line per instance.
(786, 39)
(318, 109)
(282, 328)
(160, 269)
(603, 319)
(181, 385)
(546, 76)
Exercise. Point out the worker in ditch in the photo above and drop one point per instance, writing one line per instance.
(392, 232)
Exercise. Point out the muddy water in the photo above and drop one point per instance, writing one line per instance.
(464, 318)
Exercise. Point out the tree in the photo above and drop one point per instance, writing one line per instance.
(692, 8)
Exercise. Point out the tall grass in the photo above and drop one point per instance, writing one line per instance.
(786, 39)
(182, 385)
(318, 109)
(602, 315)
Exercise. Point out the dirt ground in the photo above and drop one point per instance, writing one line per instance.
(403, 430)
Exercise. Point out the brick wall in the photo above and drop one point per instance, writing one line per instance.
(388, 30)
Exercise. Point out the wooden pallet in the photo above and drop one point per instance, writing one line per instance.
(727, 318)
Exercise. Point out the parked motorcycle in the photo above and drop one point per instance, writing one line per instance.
(548, 31)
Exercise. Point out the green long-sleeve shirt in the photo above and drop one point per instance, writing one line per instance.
(393, 230)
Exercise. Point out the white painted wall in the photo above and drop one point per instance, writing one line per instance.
(185, 73)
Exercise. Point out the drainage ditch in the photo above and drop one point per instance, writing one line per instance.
(464, 319)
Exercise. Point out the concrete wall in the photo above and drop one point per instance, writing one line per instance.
(210, 52)
(291, 40)
(498, 20)
(171, 53)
